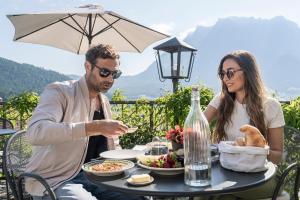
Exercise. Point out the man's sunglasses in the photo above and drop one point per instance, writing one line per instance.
(229, 73)
(103, 72)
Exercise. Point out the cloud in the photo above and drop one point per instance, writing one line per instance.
(207, 22)
(185, 33)
(293, 89)
(164, 28)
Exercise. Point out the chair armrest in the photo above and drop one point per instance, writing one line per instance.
(291, 167)
(38, 178)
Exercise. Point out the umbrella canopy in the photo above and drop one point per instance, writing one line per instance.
(76, 30)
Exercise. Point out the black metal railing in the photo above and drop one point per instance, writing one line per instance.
(154, 114)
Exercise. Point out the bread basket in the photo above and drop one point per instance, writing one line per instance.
(243, 158)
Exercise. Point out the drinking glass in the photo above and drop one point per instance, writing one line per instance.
(158, 147)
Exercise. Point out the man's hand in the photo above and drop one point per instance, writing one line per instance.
(107, 128)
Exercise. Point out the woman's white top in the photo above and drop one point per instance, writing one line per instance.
(272, 113)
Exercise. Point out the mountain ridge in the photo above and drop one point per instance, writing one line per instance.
(274, 42)
(16, 78)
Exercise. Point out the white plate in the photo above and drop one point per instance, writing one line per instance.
(129, 181)
(87, 167)
(126, 154)
(163, 171)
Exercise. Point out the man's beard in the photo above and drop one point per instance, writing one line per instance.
(97, 87)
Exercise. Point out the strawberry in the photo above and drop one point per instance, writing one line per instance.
(154, 163)
(166, 165)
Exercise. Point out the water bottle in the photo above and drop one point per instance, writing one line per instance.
(197, 158)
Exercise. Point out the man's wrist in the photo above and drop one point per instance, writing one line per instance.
(89, 128)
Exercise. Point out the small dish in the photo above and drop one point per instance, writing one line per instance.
(129, 181)
(132, 129)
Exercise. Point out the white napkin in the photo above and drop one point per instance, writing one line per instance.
(243, 158)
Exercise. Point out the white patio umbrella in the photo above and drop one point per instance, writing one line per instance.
(76, 30)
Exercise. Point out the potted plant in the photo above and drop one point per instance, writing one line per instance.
(176, 137)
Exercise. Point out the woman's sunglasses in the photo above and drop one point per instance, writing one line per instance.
(103, 72)
(229, 73)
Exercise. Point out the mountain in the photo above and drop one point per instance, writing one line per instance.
(16, 78)
(73, 76)
(275, 43)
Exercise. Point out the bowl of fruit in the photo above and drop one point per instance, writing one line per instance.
(168, 164)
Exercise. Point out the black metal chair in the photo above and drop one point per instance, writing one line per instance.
(291, 170)
(291, 165)
(4, 124)
(289, 179)
(17, 153)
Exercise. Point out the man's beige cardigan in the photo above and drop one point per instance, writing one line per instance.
(57, 133)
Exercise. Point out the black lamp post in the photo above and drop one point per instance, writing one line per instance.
(179, 56)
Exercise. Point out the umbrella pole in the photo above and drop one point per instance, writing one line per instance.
(90, 37)
(90, 42)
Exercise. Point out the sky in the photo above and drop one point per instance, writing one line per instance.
(176, 18)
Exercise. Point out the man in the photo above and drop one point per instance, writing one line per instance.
(65, 136)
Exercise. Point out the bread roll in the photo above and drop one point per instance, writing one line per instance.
(240, 141)
(253, 136)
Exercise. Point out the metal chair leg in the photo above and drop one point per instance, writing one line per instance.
(7, 190)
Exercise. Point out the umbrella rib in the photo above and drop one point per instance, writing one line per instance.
(46, 26)
(83, 30)
(106, 28)
(73, 27)
(111, 25)
(112, 14)
(94, 23)
(82, 36)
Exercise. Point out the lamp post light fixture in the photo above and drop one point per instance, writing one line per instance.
(175, 59)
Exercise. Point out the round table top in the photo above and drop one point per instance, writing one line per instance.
(223, 181)
(7, 131)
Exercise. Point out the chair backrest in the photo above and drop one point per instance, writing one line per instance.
(16, 155)
(5, 123)
(291, 172)
(291, 144)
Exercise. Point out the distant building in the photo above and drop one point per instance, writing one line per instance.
(1, 100)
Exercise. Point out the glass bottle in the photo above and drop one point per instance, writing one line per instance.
(197, 160)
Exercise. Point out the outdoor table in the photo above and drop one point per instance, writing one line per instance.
(7, 131)
(223, 181)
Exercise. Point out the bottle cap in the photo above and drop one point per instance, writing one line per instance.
(195, 88)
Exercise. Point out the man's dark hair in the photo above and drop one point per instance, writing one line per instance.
(101, 51)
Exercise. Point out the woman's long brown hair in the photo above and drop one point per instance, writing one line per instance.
(254, 95)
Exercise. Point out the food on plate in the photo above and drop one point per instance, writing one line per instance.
(170, 160)
(144, 159)
(253, 136)
(140, 178)
(107, 167)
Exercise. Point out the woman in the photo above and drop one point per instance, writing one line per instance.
(243, 101)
